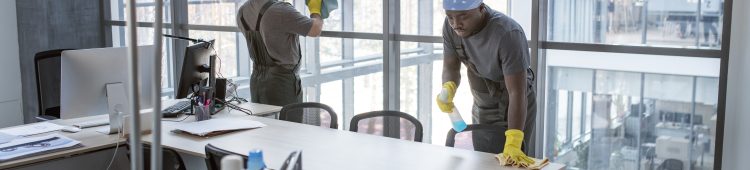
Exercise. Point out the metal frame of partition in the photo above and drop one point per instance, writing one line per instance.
(393, 61)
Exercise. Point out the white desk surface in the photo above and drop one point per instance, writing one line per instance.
(322, 148)
(94, 141)
(325, 148)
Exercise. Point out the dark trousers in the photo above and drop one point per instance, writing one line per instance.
(275, 86)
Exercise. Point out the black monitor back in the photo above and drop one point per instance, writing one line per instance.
(196, 57)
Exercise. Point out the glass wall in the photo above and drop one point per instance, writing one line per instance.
(598, 109)
(672, 23)
(602, 117)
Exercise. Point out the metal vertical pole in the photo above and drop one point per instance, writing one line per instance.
(569, 120)
(156, 156)
(639, 139)
(551, 117)
(425, 71)
(136, 154)
(693, 137)
(644, 12)
(697, 27)
(538, 64)
(347, 21)
(391, 63)
(723, 78)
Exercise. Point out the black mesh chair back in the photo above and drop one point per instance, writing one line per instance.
(409, 128)
(310, 113)
(47, 70)
(671, 164)
(214, 155)
(171, 160)
(478, 137)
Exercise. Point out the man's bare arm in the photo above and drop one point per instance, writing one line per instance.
(451, 68)
(516, 85)
(317, 26)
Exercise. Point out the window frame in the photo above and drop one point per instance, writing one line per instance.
(391, 60)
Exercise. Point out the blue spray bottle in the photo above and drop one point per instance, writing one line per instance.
(458, 123)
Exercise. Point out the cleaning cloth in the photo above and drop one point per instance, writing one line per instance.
(326, 7)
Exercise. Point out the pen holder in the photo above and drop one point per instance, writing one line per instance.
(202, 112)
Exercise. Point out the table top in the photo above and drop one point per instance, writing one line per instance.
(322, 148)
(325, 148)
(94, 141)
(90, 139)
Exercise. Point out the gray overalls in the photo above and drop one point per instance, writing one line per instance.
(491, 101)
(270, 83)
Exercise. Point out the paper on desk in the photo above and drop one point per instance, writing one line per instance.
(32, 129)
(32, 145)
(206, 127)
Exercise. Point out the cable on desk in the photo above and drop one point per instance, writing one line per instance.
(183, 119)
(117, 146)
(235, 107)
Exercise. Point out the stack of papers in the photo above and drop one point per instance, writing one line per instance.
(5, 138)
(32, 129)
(216, 126)
(22, 147)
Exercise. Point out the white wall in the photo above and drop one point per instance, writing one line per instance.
(736, 138)
(10, 71)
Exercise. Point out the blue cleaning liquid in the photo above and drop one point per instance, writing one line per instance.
(459, 126)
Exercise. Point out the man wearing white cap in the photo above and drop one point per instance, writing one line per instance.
(494, 49)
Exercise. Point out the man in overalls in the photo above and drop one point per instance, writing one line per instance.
(494, 49)
(272, 31)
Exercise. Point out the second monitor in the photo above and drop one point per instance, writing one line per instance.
(197, 69)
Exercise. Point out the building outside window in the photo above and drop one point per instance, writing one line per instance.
(599, 109)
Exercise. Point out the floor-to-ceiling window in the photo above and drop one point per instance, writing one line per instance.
(629, 84)
(632, 84)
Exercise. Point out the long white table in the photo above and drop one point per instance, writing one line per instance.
(329, 149)
(322, 148)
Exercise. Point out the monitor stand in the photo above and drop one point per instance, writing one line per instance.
(116, 101)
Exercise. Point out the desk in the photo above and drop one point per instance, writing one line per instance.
(93, 141)
(325, 148)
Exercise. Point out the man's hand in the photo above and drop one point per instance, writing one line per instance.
(445, 98)
(512, 154)
(315, 6)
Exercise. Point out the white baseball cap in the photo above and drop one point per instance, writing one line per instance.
(461, 5)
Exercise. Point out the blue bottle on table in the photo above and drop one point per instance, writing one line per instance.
(255, 160)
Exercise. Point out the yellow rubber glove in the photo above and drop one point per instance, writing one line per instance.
(512, 153)
(447, 104)
(315, 6)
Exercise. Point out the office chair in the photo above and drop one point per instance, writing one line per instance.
(372, 123)
(47, 70)
(478, 137)
(671, 164)
(171, 160)
(214, 155)
(310, 113)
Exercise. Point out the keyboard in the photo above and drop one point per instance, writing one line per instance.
(176, 109)
(92, 123)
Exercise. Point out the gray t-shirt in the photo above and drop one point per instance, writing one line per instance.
(280, 27)
(498, 49)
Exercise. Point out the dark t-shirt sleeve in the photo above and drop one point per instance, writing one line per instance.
(448, 46)
(292, 21)
(514, 52)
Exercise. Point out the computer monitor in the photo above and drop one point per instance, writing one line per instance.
(197, 68)
(86, 73)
